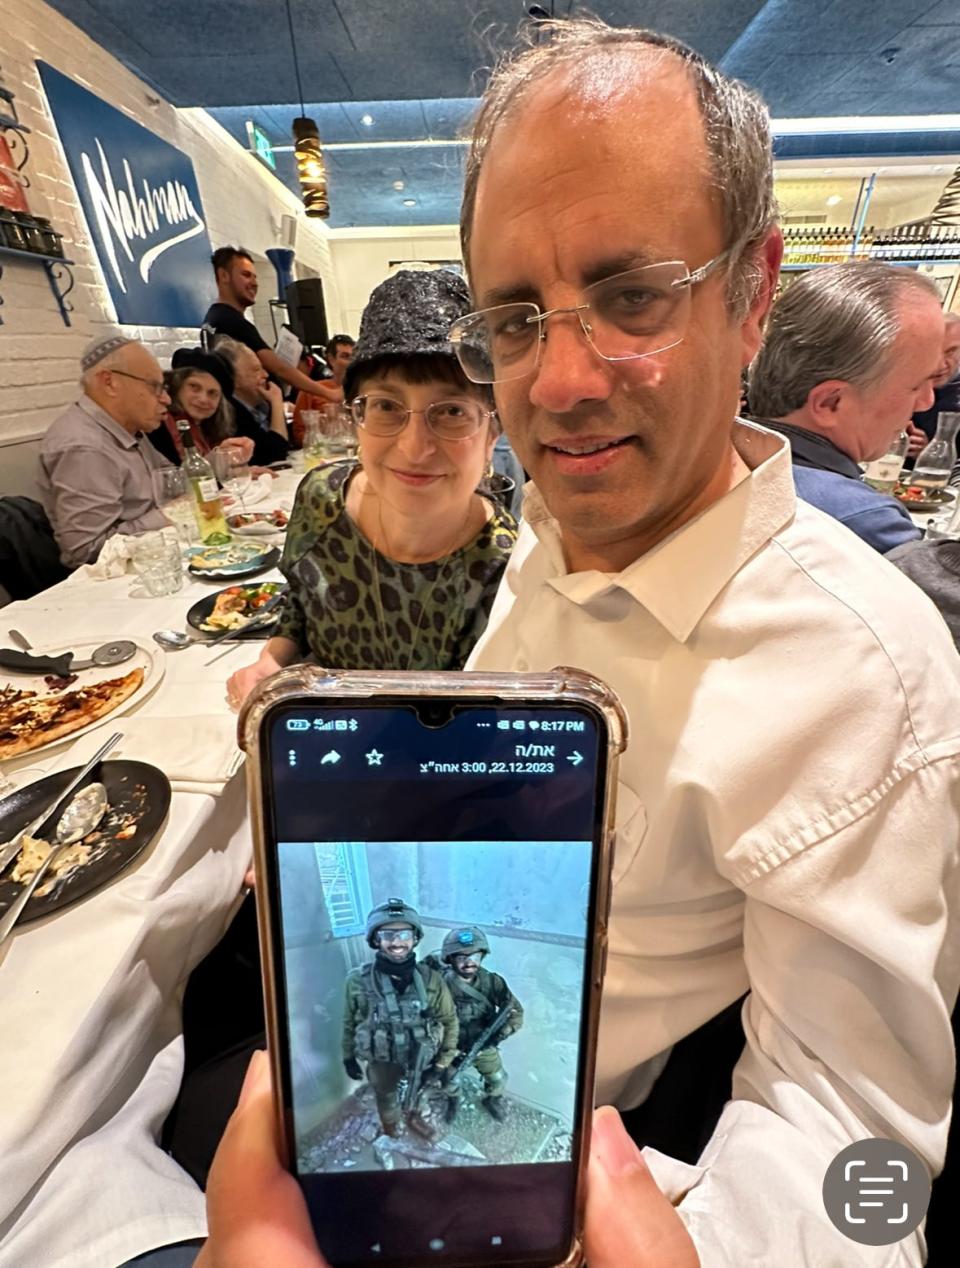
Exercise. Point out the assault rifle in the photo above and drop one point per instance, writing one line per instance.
(415, 1077)
(453, 1083)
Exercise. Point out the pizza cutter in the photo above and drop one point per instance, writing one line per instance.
(62, 666)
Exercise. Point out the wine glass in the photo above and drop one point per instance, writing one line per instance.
(238, 481)
(174, 497)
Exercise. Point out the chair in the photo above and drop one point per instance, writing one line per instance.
(29, 555)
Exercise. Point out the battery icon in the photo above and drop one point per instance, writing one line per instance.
(298, 724)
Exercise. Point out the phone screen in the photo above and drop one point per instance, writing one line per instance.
(432, 872)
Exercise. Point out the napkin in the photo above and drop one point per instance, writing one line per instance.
(196, 754)
(115, 558)
(258, 491)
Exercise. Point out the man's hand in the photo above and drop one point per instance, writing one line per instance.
(240, 448)
(629, 1221)
(918, 440)
(352, 1067)
(271, 393)
(255, 1210)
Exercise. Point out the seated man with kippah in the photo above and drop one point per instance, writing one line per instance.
(96, 463)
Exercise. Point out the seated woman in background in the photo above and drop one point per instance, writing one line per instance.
(257, 403)
(393, 561)
(199, 385)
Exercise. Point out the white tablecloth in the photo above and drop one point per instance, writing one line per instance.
(91, 1050)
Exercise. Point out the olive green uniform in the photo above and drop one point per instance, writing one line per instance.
(477, 1003)
(385, 1028)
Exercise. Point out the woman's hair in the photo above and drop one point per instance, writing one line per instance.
(425, 368)
(220, 424)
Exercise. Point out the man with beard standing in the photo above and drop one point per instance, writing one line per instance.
(480, 997)
(398, 1016)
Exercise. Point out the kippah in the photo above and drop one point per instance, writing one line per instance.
(101, 347)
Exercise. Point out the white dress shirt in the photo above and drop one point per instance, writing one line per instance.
(788, 823)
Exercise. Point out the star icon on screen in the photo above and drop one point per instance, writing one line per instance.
(374, 758)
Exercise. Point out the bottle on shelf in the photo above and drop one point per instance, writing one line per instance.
(883, 474)
(208, 508)
(934, 464)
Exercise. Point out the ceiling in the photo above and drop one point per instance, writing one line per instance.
(414, 67)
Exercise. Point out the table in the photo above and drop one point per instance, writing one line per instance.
(92, 1049)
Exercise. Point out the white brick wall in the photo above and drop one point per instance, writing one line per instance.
(241, 200)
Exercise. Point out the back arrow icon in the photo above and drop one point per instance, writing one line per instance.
(575, 757)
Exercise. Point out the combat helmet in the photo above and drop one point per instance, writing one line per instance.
(468, 940)
(386, 913)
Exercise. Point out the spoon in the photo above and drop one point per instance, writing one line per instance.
(81, 816)
(174, 640)
(114, 653)
(10, 849)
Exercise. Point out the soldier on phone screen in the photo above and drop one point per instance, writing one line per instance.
(399, 1019)
(487, 1010)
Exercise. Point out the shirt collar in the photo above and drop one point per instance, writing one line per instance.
(100, 415)
(810, 449)
(681, 576)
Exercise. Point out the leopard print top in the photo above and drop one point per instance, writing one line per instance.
(331, 611)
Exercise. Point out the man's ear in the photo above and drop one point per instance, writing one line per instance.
(825, 402)
(766, 259)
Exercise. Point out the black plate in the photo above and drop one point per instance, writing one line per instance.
(133, 789)
(203, 607)
(238, 572)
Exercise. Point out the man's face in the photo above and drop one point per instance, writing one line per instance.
(249, 375)
(467, 966)
(877, 415)
(242, 281)
(586, 181)
(339, 360)
(950, 363)
(396, 940)
(129, 391)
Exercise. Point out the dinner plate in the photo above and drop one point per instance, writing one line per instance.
(242, 559)
(138, 797)
(148, 658)
(936, 501)
(203, 607)
(262, 526)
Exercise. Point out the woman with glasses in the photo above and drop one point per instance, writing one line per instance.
(393, 561)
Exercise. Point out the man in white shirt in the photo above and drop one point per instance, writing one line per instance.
(788, 806)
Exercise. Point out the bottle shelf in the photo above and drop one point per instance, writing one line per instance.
(880, 259)
(57, 269)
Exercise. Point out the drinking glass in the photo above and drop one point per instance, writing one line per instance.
(175, 498)
(158, 562)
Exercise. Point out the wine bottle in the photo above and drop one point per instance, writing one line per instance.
(208, 508)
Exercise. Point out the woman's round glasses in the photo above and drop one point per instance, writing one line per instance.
(633, 314)
(448, 420)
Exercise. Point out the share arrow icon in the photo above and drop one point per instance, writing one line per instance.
(575, 758)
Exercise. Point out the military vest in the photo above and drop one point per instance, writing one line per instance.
(474, 1010)
(396, 1026)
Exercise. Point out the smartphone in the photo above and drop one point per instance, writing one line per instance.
(433, 860)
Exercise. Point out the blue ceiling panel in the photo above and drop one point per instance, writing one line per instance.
(417, 66)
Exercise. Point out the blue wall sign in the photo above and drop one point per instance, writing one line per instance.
(140, 198)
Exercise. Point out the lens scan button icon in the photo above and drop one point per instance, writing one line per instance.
(876, 1191)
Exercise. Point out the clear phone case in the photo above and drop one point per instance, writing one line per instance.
(558, 686)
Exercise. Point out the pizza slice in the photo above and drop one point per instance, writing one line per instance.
(28, 720)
